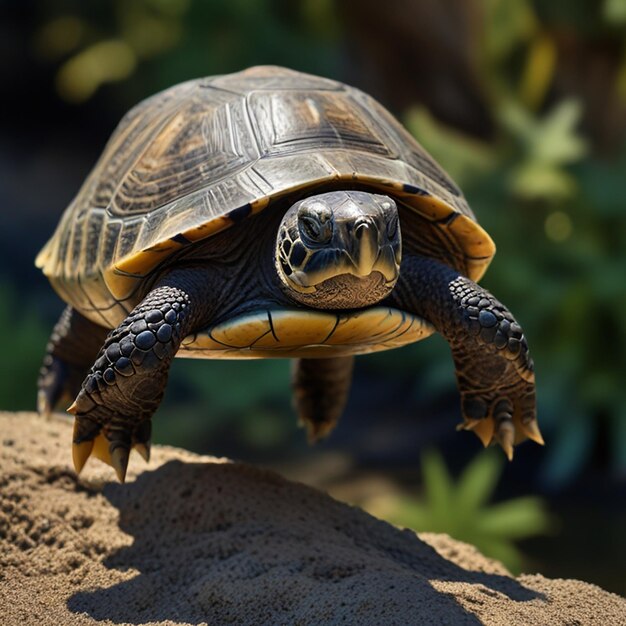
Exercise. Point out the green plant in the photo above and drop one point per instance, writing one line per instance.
(461, 508)
(23, 338)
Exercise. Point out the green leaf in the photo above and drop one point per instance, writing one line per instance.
(438, 486)
(515, 519)
(459, 510)
(536, 180)
(551, 140)
(557, 139)
(477, 482)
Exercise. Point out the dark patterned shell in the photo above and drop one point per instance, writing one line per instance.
(200, 156)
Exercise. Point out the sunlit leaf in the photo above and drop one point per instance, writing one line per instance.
(536, 179)
(515, 519)
(557, 139)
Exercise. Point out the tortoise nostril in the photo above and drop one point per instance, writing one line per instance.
(361, 226)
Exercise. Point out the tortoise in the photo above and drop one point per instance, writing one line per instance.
(269, 213)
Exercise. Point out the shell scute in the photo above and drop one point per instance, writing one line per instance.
(201, 156)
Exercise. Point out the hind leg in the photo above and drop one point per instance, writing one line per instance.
(320, 391)
(72, 348)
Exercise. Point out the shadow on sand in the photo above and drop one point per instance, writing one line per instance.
(227, 543)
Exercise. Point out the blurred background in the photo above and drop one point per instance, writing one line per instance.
(523, 102)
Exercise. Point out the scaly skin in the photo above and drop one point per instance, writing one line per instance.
(494, 370)
(72, 348)
(320, 392)
(128, 379)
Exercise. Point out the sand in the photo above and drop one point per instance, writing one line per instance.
(197, 540)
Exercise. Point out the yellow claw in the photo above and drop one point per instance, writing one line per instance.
(72, 408)
(467, 425)
(484, 430)
(317, 431)
(101, 449)
(505, 435)
(144, 451)
(531, 430)
(80, 454)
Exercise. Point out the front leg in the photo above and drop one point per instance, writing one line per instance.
(127, 381)
(494, 371)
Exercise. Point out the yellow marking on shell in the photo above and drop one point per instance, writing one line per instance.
(296, 332)
(477, 245)
(142, 262)
(120, 276)
(206, 230)
(240, 335)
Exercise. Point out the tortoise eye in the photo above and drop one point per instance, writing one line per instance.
(312, 229)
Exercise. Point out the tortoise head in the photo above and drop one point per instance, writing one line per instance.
(339, 250)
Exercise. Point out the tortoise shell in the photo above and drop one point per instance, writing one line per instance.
(197, 158)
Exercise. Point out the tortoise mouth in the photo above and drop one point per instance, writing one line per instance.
(345, 291)
(324, 265)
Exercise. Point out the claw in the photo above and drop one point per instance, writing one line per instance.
(114, 452)
(80, 454)
(505, 435)
(144, 450)
(83, 438)
(101, 449)
(484, 431)
(531, 430)
(119, 459)
(317, 431)
(73, 409)
(142, 439)
(467, 425)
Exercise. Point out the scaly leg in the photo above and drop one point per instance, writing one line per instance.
(127, 381)
(321, 388)
(73, 345)
(494, 371)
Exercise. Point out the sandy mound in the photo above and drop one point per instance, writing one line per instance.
(195, 540)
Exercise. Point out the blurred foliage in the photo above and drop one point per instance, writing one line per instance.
(248, 399)
(23, 344)
(461, 508)
(172, 40)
